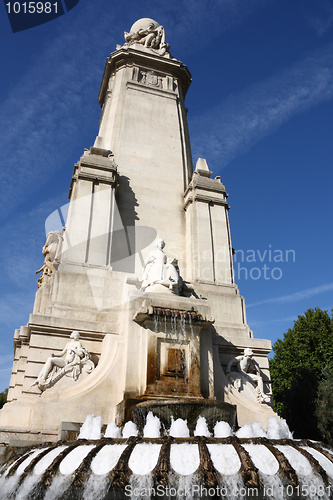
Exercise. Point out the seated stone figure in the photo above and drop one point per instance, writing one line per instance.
(161, 270)
(247, 369)
(71, 361)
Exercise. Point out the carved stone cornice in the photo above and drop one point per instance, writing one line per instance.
(97, 165)
(128, 56)
(206, 190)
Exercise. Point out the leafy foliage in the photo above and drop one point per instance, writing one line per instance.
(3, 397)
(324, 409)
(297, 369)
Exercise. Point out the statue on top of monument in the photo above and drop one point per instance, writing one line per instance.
(161, 270)
(148, 33)
(52, 253)
(247, 370)
(71, 361)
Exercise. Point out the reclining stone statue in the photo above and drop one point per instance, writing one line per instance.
(247, 370)
(72, 360)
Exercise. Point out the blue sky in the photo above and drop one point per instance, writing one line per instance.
(260, 112)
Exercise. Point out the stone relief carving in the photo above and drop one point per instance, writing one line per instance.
(151, 78)
(148, 33)
(162, 271)
(247, 376)
(52, 253)
(73, 361)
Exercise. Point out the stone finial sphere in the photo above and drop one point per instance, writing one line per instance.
(142, 24)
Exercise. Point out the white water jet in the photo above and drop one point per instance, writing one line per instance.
(179, 428)
(201, 428)
(251, 431)
(112, 431)
(222, 429)
(152, 427)
(130, 429)
(91, 428)
(278, 429)
(96, 431)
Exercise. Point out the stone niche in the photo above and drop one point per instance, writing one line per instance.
(173, 345)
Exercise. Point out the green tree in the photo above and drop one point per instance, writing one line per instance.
(324, 406)
(3, 397)
(297, 369)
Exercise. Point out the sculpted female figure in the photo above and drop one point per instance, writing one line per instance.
(161, 270)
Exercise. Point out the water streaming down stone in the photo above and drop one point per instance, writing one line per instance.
(140, 463)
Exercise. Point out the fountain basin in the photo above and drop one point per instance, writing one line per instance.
(114, 468)
(189, 409)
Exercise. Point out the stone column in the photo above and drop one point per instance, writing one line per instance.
(144, 123)
(208, 233)
(91, 216)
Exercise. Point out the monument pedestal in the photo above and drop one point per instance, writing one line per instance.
(148, 335)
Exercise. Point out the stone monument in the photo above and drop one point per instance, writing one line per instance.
(137, 300)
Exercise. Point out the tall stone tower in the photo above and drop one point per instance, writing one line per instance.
(137, 300)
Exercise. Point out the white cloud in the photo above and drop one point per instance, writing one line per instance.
(322, 20)
(193, 24)
(243, 119)
(21, 249)
(287, 319)
(295, 297)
